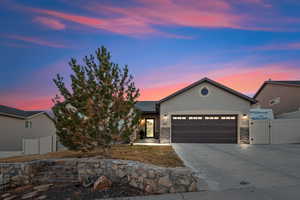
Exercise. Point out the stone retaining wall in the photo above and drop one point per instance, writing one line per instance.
(150, 178)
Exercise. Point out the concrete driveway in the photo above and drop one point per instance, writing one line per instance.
(232, 166)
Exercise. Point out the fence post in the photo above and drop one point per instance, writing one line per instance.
(39, 146)
(270, 132)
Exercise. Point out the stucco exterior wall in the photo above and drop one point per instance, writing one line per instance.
(41, 126)
(289, 98)
(218, 101)
(12, 131)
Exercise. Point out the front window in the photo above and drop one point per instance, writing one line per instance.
(28, 124)
(204, 91)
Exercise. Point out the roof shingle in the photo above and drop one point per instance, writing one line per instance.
(146, 106)
(17, 112)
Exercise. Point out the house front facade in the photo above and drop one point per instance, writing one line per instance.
(16, 125)
(203, 112)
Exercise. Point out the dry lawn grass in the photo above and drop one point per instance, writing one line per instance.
(163, 156)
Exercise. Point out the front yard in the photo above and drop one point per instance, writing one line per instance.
(163, 156)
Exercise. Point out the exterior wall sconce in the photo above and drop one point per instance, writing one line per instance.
(245, 116)
(165, 118)
(142, 122)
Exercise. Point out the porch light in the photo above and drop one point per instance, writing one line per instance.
(142, 122)
(165, 117)
(245, 116)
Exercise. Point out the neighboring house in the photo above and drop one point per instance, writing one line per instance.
(17, 124)
(203, 112)
(283, 97)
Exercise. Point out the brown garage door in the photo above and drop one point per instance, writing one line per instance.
(204, 128)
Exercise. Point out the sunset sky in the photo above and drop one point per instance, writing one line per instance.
(167, 44)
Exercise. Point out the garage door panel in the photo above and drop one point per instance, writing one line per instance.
(203, 131)
(203, 122)
(197, 134)
(200, 124)
(204, 128)
(206, 140)
(201, 128)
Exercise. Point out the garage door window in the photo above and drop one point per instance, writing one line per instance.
(195, 118)
(228, 118)
(179, 118)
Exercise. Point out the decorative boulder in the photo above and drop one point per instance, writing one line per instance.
(102, 183)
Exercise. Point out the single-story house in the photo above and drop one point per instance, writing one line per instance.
(283, 97)
(203, 112)
(16, 124)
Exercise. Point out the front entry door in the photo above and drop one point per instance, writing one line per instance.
(150, 125)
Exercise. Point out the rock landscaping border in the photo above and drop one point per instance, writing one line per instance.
(149, 178)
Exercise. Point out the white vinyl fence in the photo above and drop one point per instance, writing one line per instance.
(277, 131)
(39, 145)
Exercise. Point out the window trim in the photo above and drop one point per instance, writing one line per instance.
(28, 124)
(202, 88)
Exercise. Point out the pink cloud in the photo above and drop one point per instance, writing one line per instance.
(180, 13)
(35, 40)
(139, 19)
(127, 26)
(192, 13)
(144, 16)
(50, 23)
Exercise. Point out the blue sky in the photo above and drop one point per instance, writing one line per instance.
(167, 44)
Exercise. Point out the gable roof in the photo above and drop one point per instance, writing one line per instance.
(146, 106)
(283, 83)
(216, 84)
(13, 112)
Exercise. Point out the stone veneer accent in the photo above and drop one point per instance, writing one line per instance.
(244, 135)
(165, 136)
(152, 179)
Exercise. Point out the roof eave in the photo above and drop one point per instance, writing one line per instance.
(148, 112)
(11, 115)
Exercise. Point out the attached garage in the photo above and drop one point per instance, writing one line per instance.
(204, 128)
(204, 112)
